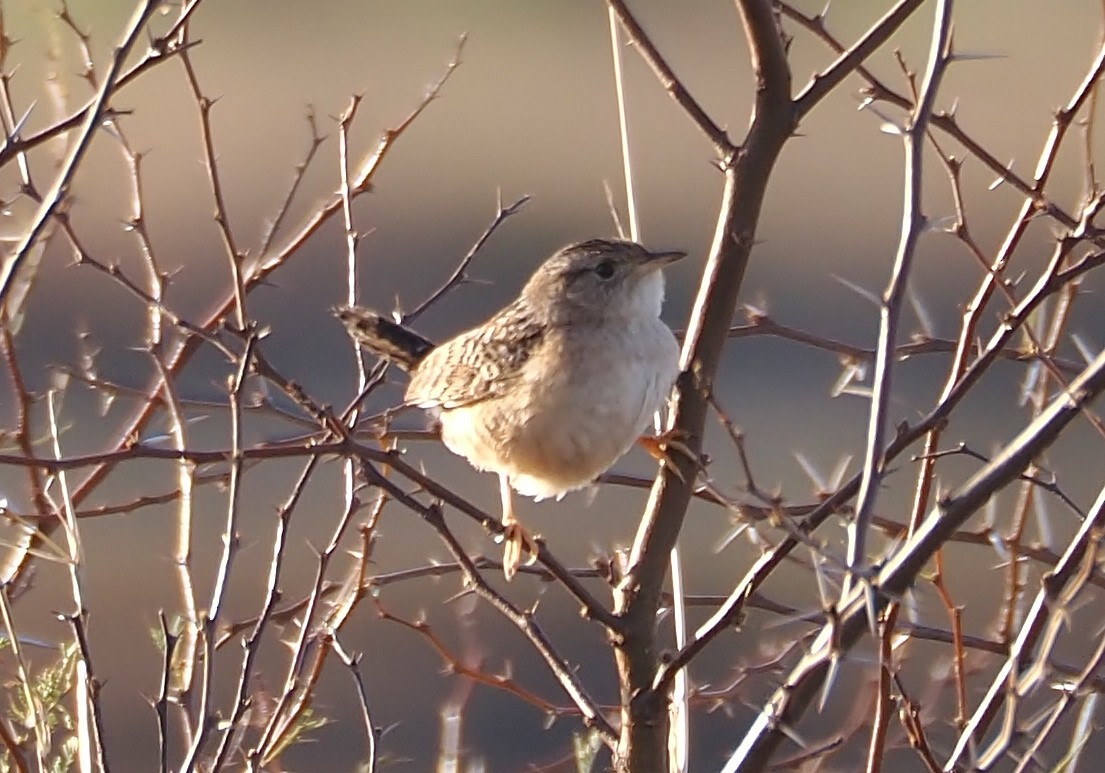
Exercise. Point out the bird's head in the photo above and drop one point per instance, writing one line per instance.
(600, 278)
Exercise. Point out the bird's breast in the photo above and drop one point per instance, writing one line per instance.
(578, 405)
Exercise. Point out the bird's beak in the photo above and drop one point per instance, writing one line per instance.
(663, 258)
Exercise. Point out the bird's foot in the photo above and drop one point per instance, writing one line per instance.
(659, 447)
(517, 540)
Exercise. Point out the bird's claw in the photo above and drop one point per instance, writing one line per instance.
(660, 446)
(517, 540)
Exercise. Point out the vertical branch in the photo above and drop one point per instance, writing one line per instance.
(746, 175)
(679, 713)
(643, 738)
(230, 530)
(757, 748)
(21, 397)
(89, 727)
(253, 641)
(229, 551)
(346, 193)
(156, 278)
(297, 683)
(234, 257)
(679, 733)
(623, 128)
(349, 470)
(353, 663)
(884, 701)
(161, 702)
(183, 656)
(33, 718)
(913, 222)
(321, 637)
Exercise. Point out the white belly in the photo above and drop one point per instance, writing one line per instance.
(563, 426)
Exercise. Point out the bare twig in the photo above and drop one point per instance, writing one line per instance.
(297, 179)
(59, 187)
(1056, 590)
(460, 272)
(900, 570)
(849, 61)
(522, 620)
(641, 746)
(913, 223)
(180, 355)
(723, 147)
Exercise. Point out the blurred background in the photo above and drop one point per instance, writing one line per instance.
(531, 111)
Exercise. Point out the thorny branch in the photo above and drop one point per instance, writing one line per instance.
(1034, 318)
(95, 113)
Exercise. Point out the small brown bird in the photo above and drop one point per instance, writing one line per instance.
(553, 389)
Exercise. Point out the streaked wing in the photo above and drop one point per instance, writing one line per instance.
(479, 364)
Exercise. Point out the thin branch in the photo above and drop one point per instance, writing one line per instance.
(822, 84)
(178, 358)
(900, 570)
(913, 223)
(297, 179)
(161, 50)
(456, 665)
(644, 722)
(760, 324)
(353, 663)
(623, 126)
(234, 256)
(94, 115)
(723, 146)
(1068, 576)
(460, 273)
(522, 620)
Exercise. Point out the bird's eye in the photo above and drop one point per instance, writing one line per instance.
(605, 269)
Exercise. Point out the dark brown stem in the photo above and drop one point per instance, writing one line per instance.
(643, 744)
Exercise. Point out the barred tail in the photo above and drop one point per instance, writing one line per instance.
(386, 339)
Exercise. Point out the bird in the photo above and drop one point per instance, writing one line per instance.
(555, 387)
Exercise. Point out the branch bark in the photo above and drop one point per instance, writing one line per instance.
(642, 744)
